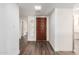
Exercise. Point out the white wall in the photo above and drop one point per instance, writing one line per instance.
(63, 27)
(52, 29)
(20, 28)
(76, 35)
(76, 23)
(3, 33)
(9, 32)
(31, 28)
(25, 24)
(76, 26)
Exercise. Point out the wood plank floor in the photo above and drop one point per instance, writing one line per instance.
(36, 48)
(39, 48)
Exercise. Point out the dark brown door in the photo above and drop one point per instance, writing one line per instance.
(41, 28)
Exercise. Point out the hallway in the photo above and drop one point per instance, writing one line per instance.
(51, 24)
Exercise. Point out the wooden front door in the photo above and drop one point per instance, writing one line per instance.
(41, 28)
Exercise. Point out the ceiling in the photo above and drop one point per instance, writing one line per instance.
(27, 9)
